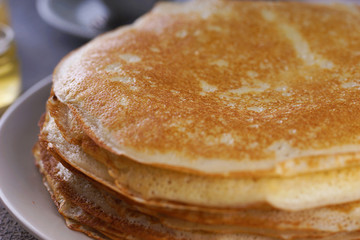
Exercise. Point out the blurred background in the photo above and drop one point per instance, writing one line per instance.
(39, 45)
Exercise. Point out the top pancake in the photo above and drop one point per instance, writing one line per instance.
(224, 87)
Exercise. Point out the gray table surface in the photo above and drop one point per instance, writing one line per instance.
(40, 47)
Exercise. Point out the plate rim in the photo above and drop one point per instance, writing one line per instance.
(45, 82)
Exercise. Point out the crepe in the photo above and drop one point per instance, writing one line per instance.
(90, 209)
(151, 184)
(79, 200)
(210, 119)
(347, 217)
(198, 87)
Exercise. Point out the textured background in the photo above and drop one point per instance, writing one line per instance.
(10, 229)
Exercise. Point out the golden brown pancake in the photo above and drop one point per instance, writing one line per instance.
(327, 220)
(224, 87)
(210, 119)
(96, 212)
(156, 185)
(79, 199)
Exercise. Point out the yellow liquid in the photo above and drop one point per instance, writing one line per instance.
(10, 83)
(4, 12)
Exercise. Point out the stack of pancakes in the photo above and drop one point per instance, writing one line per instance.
(210, 120)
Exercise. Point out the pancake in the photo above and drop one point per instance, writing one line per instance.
(210, 119)
(154, 184)
(223, 88)
(64, 207)
(90, 209)
(66, 185)
(346, 214)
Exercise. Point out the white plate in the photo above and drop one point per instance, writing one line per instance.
(21, 188)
